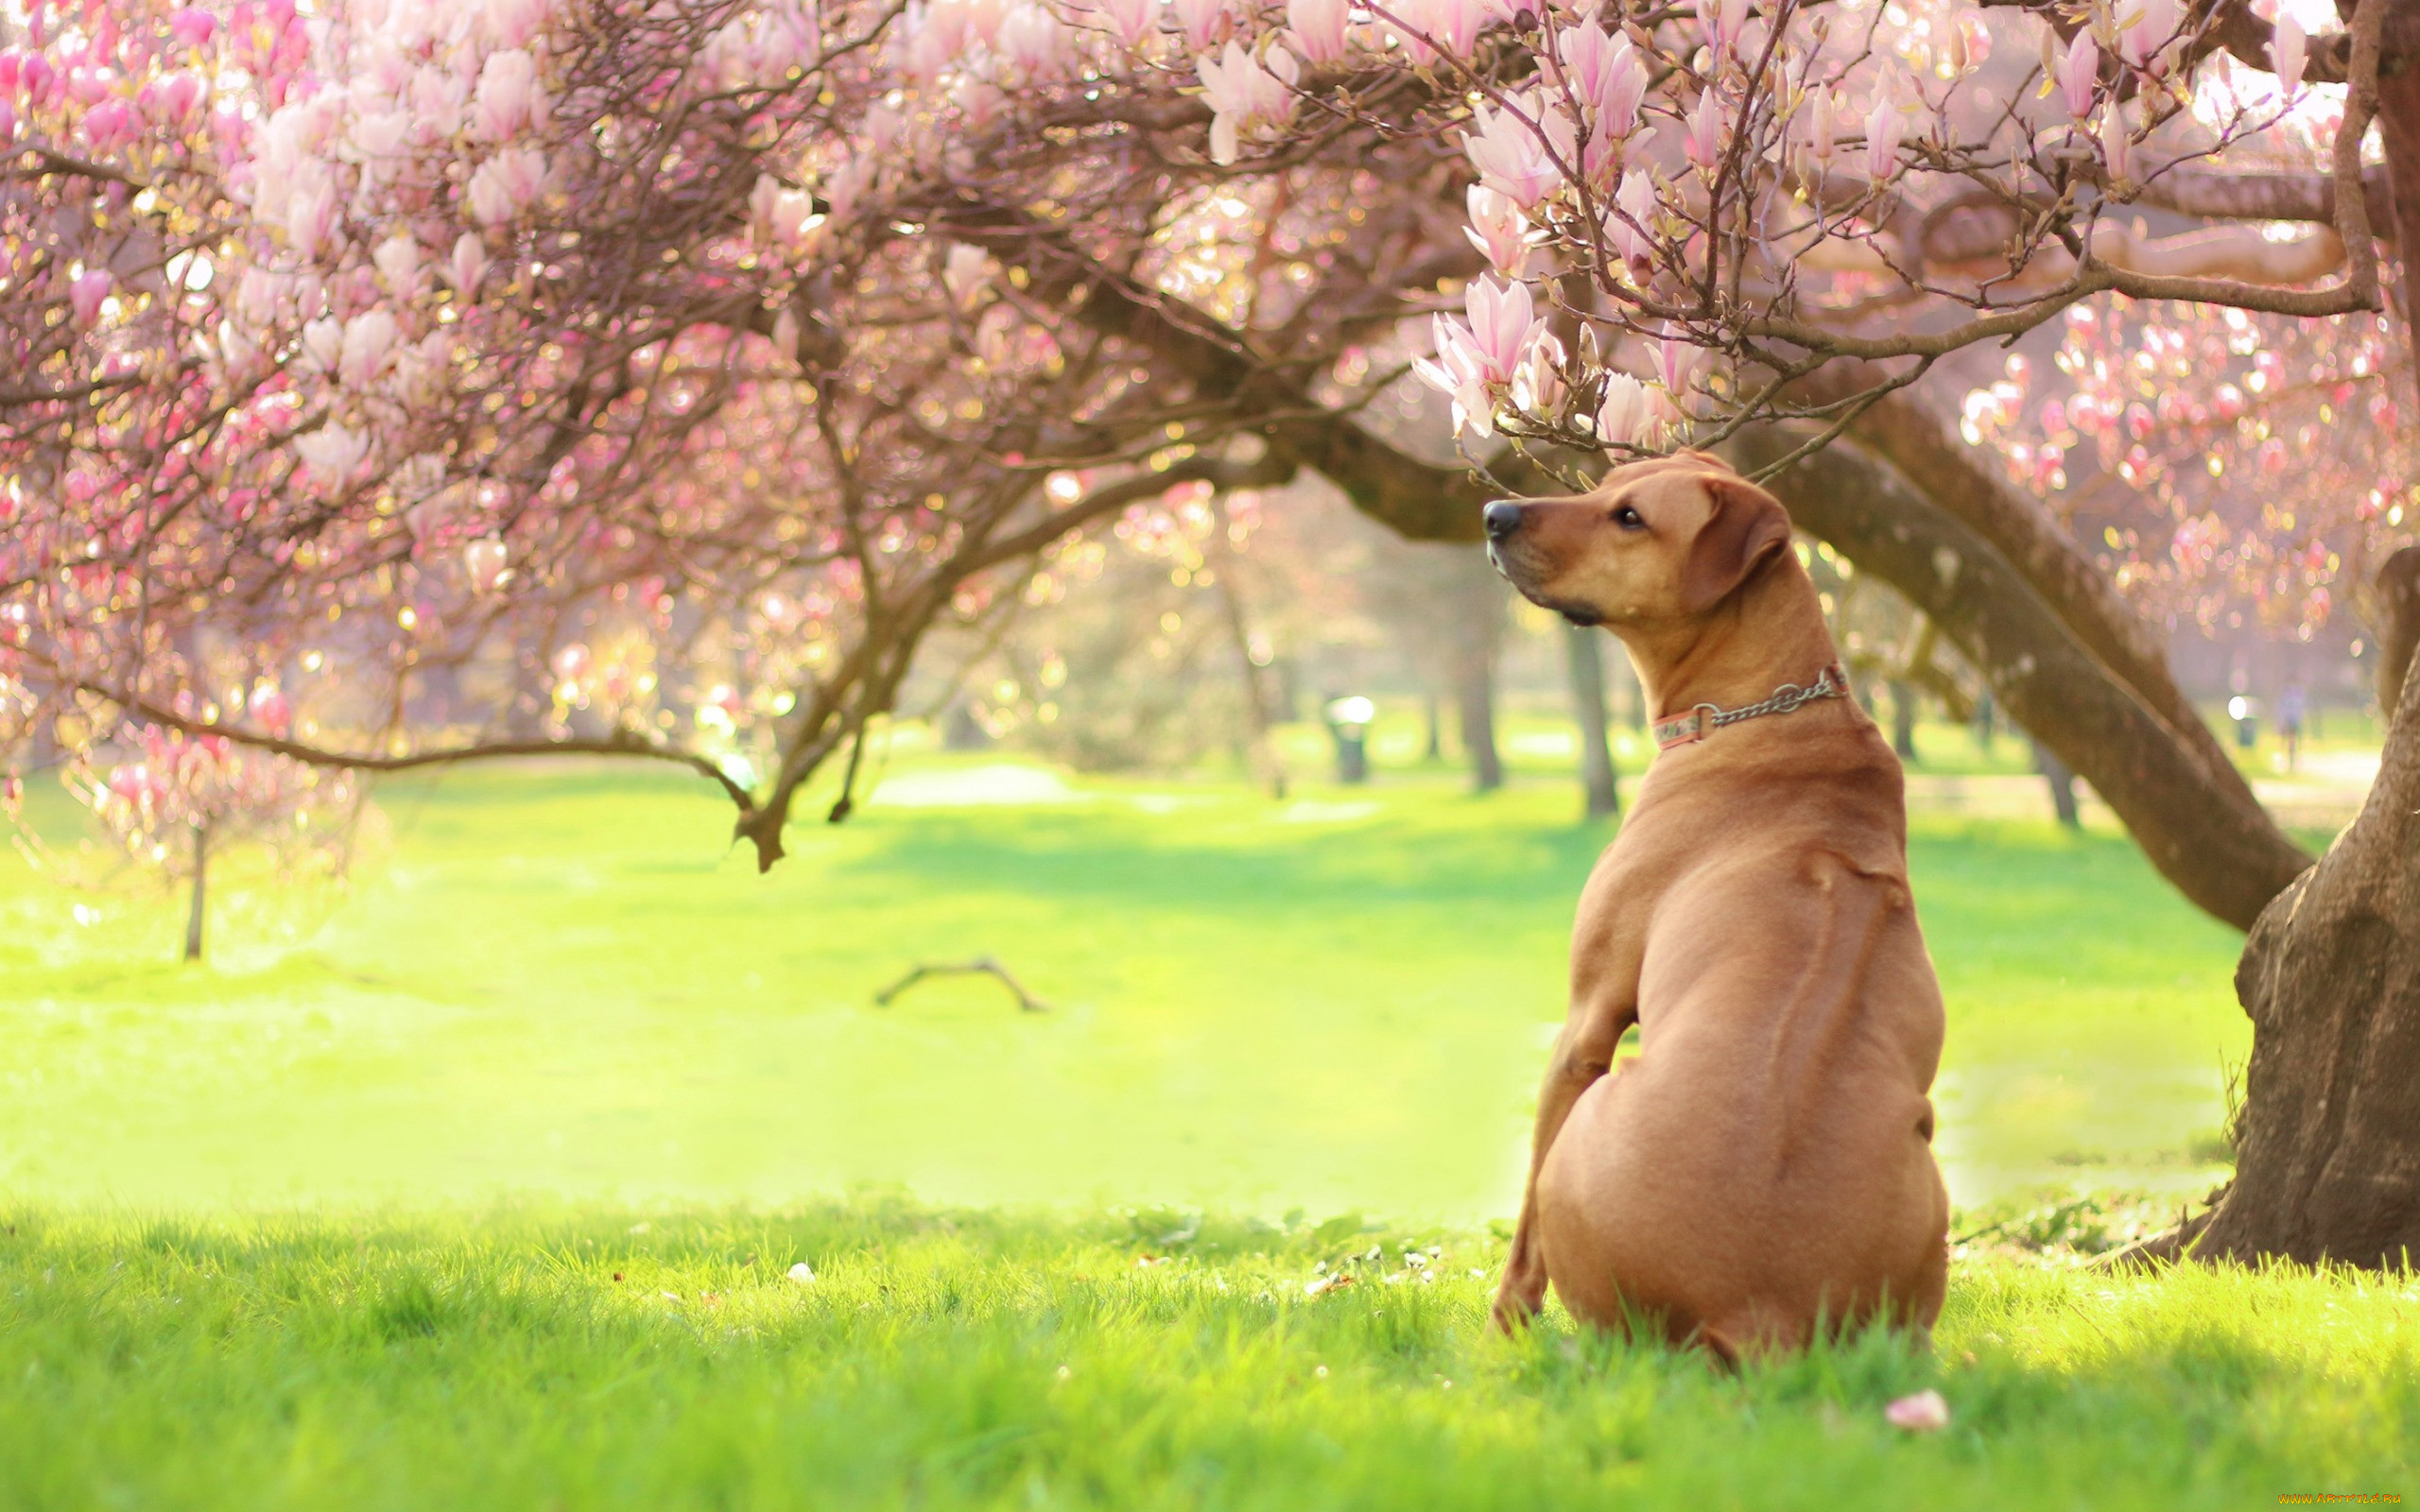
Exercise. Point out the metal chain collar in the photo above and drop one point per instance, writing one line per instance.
(1703, 720)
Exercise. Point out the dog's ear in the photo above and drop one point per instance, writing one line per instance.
(1743, 526)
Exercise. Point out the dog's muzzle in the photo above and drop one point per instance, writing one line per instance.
(1501, 518)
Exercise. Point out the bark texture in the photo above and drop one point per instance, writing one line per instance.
(2327, 1159)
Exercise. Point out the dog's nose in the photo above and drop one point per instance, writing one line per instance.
(1501, 518)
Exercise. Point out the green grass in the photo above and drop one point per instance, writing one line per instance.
(567, 984)
(976, 1359)
(335, 1220)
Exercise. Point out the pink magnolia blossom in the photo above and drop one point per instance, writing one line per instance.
(467, 265)
(1821, 128)
(1704, 145)
(1453, 26)
(1970, 45)
(1511, 156)
(437, 100)
(980, 102)
(1632, 227)
(1034, 45)
(2155, 23)
(1605, 76)
(506, 184)
(311, 217)
(398, 262)
(107, 124)
(1676, 367)
(2289, 48)
(967, 275)
(1244, 93)
(883, 127)
(2117, 145)
(508, 97)
(1538, 387)
(1455, 371)
(1885, 129)
(1503, 325)
(332, 453)
(1498, 228)
(420, 369)
(369, 340)
(1204, 23)
(170, 99)
(513, 23)
(193, 26)
(785, 217)
(1730, 21)
(88, 293)
(1516, 13)
(1924, 1412)
(1129, 21)
(2079, 76)
(1627, 413)
(483, 560)
(323, 343)
(1319, 28)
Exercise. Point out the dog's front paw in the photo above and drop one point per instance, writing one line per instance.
(1519, 1297)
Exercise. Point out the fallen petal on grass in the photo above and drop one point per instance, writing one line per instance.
(802, 1273)
(1924, 1412)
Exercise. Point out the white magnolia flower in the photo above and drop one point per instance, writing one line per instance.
(331, 452)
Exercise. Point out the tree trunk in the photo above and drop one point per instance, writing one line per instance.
(1268, 768)
(1903, 719)
(2327, 1152)
(2200, 826)
(2397, 613)
(2062, 782)
(1435, 749)
(1599, 790)
(200, 875)
(2328, 1158)
(1475, 702)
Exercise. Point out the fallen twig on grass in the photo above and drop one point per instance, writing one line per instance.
(984, 965)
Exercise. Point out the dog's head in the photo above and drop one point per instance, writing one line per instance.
(1657, 543)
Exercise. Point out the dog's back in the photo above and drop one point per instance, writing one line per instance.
(1764, 1165)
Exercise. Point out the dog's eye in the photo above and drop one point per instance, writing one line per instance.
(1629, 519)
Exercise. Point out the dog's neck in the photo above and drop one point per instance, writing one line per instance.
(1768, 632)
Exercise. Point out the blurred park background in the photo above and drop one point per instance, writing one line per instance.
(1270, 987)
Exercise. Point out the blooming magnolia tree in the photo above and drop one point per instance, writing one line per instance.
(589, 375)
(171, 800)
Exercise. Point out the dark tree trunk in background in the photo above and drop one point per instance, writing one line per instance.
(1584, 656)
(1268, 768)
(1435, 750)
(1903, 719)
(1475, 702)
(201, 876)
(2062, 782)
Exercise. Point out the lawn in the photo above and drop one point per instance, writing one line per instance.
(953, 1359)
(338, 1219)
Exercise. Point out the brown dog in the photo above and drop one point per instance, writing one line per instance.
(1763, 1169)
